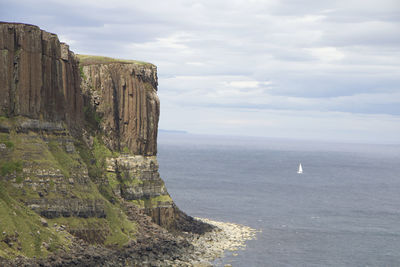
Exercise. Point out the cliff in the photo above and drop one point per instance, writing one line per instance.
(78, 144)
(124, 94)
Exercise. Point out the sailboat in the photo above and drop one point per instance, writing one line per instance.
(300, 169)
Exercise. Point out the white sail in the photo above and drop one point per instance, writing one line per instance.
(300, 169)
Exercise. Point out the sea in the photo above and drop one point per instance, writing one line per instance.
(343, 210)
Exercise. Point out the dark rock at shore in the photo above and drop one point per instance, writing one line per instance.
(154, 246)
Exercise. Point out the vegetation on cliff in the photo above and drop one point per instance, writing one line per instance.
(92, 60)
(49, 170)
(22, 230)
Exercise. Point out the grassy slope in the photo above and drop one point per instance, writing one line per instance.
(31, 151)
(22, 232)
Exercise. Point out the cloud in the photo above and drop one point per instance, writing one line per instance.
(326, 53)
(311, 125)
(235, 93)
(269, 55)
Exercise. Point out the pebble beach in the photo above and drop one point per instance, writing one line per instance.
(212, 245)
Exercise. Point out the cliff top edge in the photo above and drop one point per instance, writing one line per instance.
(21, 24)
(18, 23)
(92, 60)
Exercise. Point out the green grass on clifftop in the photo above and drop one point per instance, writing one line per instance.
(91, 60)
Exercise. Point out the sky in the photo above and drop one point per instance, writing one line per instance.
(311, 69)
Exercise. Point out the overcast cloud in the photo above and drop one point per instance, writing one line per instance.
(311, 69)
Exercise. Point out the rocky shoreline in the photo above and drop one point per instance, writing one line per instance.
(159, 249)
(226, 237)
(211, 245)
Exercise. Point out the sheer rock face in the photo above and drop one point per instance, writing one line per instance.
(39, 77)
(125, 97)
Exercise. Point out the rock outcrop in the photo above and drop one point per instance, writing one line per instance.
(125, 97)
(39, 76)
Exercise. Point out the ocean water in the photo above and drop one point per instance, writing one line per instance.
(344, 210)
